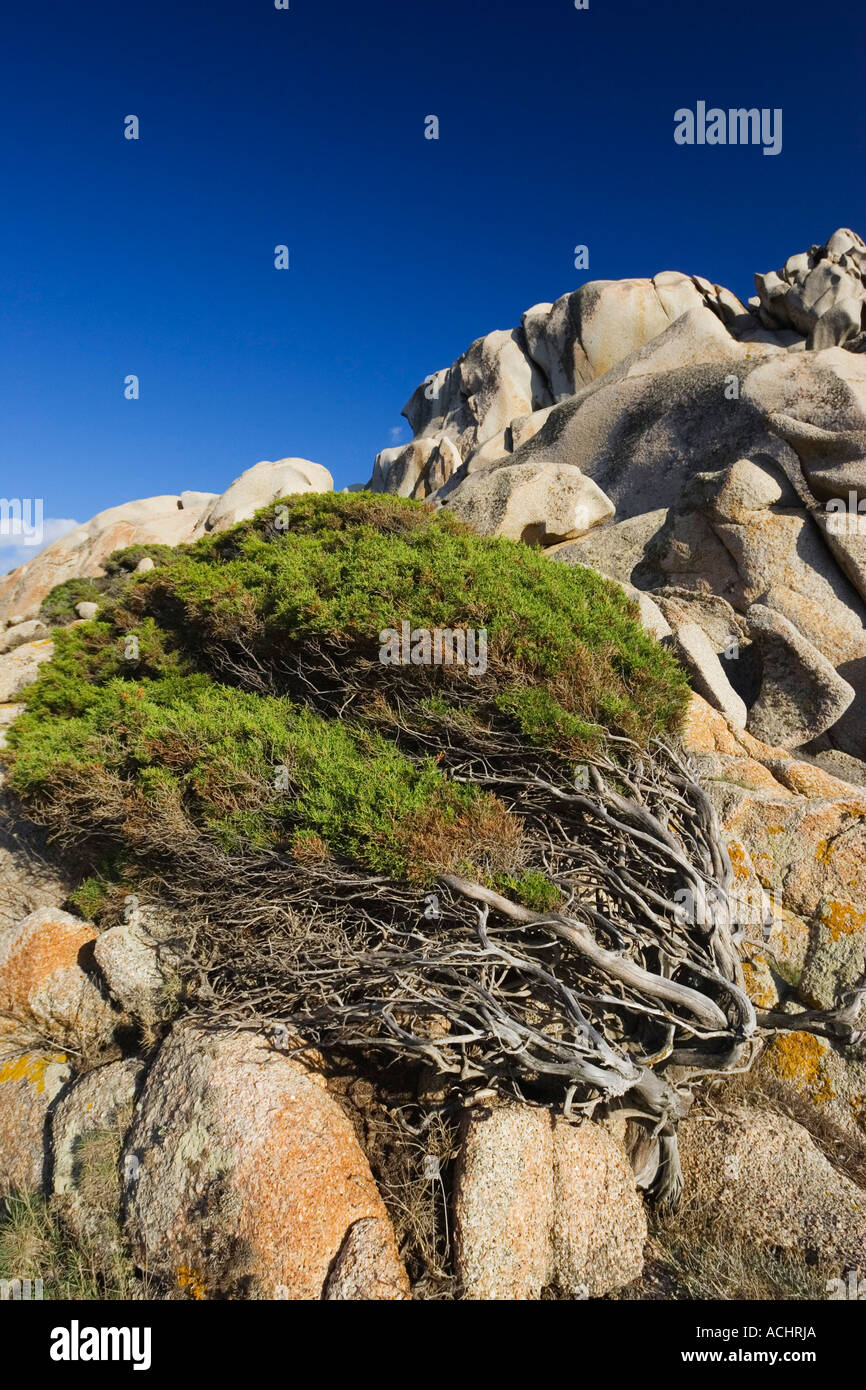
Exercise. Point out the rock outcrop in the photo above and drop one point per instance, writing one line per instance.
(720, 442)
(758, 1179)
(30, 1083)
(166, 520)
(245, 1177)
(820, 292)
(88, 1125)
(542, 1202)
(49, 991)
(700, 452)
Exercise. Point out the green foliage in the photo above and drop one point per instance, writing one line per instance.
(250, 770)
(224, 715)
(89, 898)
(58, 609)
(121, 563)
(59, 606)
(543, 720)
(532, 889)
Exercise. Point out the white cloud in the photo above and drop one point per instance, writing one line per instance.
(397, 433)
(13, 549)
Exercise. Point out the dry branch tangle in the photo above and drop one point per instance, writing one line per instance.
(617, 1000)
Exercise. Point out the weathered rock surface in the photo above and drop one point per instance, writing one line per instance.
(758, 1178)
(504, 1203)
(831, 1087)
(48, 989)
(708, 677)
(21, 633)
(263, 483)
(537, 505)
(717, 445)
(836, 959)
(540, 1201)
(801, 694)
(617, 549)
(30, 1083)
(821, 292)
(416, 469)
(28, 878)
(79, 554)
(20, 667)
(166, 520)
(599, 1227)
(135, 974)
(249, 1179)
(88, 1125)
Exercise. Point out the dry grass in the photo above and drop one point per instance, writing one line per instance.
(35, 1244)
(75, 1247)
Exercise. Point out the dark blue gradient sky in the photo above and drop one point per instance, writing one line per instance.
(306, 127)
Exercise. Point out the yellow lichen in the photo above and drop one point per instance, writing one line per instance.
(190, 1280)
(799, 1058)
(739, 859)
(759, 982)
(29, 1067)
(842, 919)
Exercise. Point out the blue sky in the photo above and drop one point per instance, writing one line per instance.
(305, 127)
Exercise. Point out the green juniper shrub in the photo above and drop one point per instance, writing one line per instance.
(58, 607)
(235, 691)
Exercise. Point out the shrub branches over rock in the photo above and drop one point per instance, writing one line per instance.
(399, 859)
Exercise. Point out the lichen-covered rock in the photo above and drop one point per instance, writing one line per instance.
(836, 959)
(811, 1069)
(22, 633)
(30, 1083)
(758, 1178)
(243, 1177)
(88, 1125)
(543, 1202)
(48, 989)
(759, 979)
(804, 829)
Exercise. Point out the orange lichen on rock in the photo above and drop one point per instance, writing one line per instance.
(258, 1185)
(759, 982)
(841, 918)
(800, 1058)
(47, 988)
(191, 1281)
